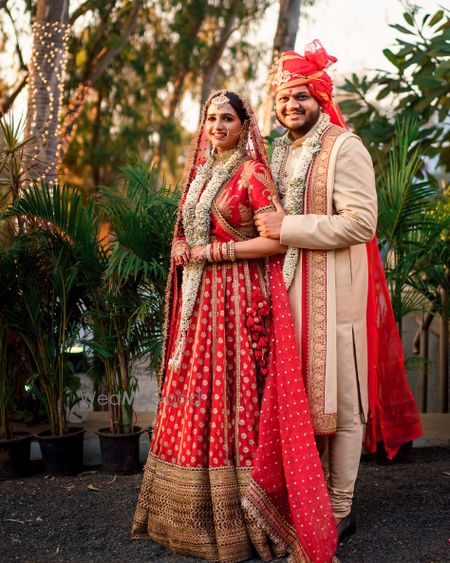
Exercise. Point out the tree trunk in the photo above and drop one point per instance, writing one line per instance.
(285, 36)
(216, 52)
(287, 26)
(46, 75)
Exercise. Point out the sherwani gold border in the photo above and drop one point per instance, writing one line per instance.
(317, 202)
(198, 512)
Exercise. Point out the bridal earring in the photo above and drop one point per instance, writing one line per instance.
(243, 140)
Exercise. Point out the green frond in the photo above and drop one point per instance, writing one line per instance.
(60, 207)
(403, 201)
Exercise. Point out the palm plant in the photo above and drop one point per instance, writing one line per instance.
(106, 323)
(13, 175)
(6, 390)
(12, 149)
(15, 167)
(409, 230)
(10, 308)
(57, 258)
(142, 216)
(6, 291)
(66, 278)
(127, 311)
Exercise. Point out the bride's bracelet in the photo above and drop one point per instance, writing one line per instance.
(221, 251)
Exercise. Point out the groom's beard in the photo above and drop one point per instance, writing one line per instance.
(311, 119)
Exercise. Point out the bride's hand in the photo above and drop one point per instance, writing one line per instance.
(198, 253)
(181, 253)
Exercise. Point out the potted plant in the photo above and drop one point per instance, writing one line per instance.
(54, 258)
(14, 445)
(408, 227)
(126, 319)
(107, 325)
(413, 225)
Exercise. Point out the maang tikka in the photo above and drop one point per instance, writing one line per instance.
(220, 100)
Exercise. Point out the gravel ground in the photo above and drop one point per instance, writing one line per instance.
(403, 514)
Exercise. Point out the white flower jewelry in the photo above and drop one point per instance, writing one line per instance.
(295, 190)
(196, 217)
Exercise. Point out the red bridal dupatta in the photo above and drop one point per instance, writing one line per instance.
(393, 415)
(287, 494)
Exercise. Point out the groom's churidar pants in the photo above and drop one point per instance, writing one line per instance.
(340, 456)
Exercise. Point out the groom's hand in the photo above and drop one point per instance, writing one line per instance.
(269, 224)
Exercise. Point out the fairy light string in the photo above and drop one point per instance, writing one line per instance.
(47, 68)
(69, 125)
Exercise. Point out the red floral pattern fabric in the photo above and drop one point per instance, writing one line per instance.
(209, 409)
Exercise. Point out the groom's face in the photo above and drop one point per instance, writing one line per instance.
(297, 110)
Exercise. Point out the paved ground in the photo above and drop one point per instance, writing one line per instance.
(404, 515)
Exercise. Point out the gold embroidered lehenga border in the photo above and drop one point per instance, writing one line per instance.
(198, 512)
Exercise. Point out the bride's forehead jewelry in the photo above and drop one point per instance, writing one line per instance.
(220, 100)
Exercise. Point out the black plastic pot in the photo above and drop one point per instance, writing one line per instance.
(62, 455)
(120, 452)
(149, 431)
(15, 456)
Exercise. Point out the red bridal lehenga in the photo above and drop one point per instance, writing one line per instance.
(208, 490)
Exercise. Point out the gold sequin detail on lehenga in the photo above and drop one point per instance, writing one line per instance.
(198, 512)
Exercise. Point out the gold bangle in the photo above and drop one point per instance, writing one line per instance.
(232, 250)
(208, 253)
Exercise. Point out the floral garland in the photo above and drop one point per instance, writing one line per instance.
(196, 217)
(294, 193)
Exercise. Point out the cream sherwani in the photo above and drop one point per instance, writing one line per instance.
(353, 223)
(343, 234)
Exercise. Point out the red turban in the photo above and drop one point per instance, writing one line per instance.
(292, 69)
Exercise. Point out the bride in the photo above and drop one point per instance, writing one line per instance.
(232, 467)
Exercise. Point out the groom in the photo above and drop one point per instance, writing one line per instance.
(325, 181)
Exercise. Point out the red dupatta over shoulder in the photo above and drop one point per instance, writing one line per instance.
(288, 494)
(393, 415)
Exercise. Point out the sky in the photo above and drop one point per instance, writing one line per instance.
(356, 31)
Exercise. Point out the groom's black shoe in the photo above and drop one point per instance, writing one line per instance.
(346, 527)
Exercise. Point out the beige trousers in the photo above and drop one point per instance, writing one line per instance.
(340, 456)
(340, 453)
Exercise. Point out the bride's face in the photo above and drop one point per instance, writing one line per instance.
(223, 126)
